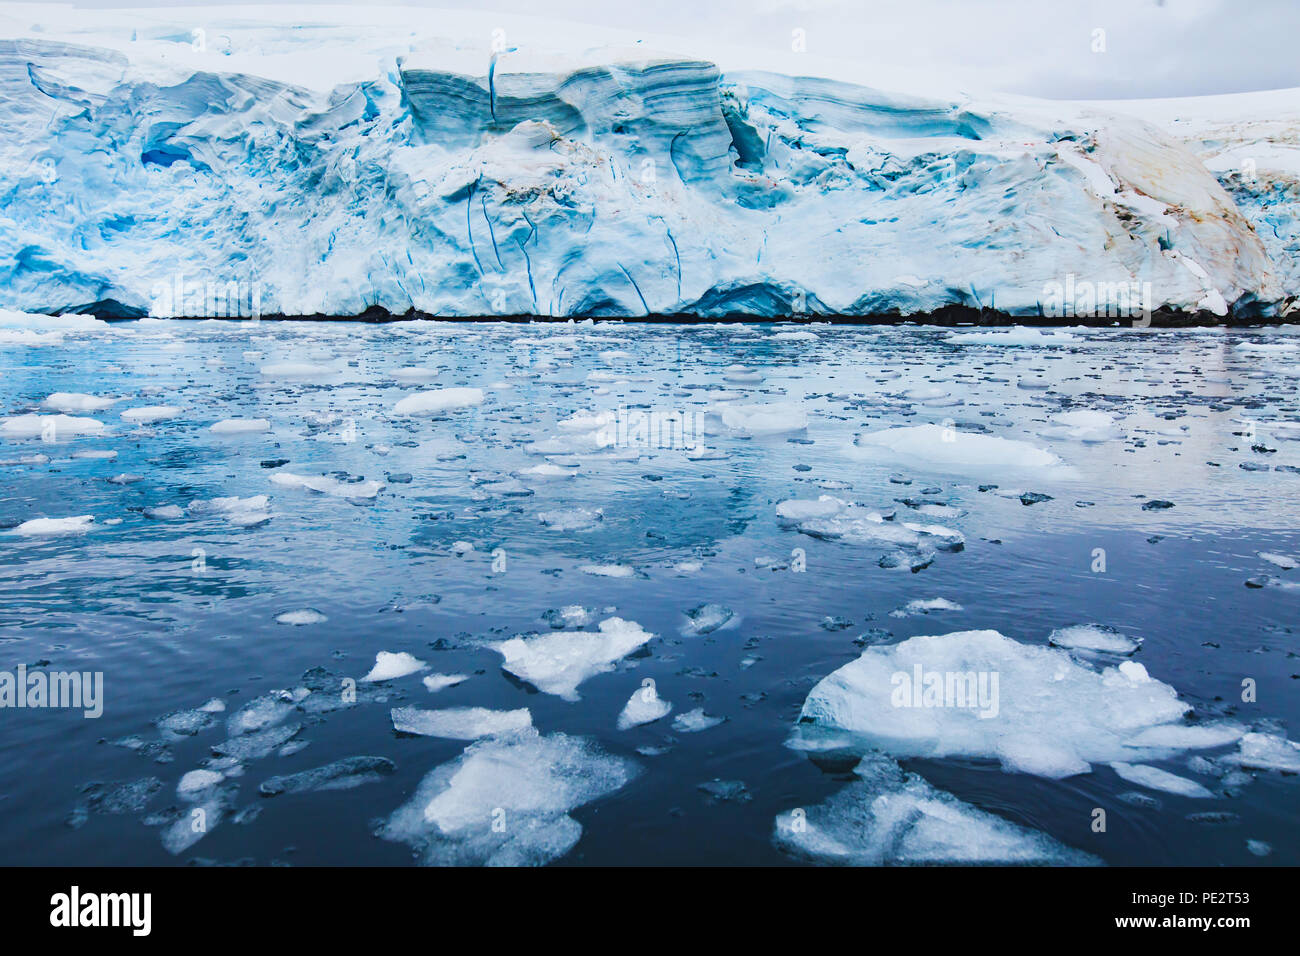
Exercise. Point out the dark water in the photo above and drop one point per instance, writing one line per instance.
(125, 599)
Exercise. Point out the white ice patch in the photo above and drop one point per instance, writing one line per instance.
(952, 449)
(694, 721)
(506, 801)
(1153, 778)
(1085, 426)
(436, 682)
(761, 420)
(460, 723)
(49, 527)
(148, 414)
(241, 512)
(301, 617)
(1048, 714)
(325, 485)
(557, 663)
(77, 402)
(1094, 637)
(644, 707)
(390, 666)
(1017, 336)
(608, 570)
(1266, 752)
(424, 404)
(240, 426)
(925, 606)
(49, 427)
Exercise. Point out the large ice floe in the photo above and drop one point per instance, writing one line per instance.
(506, 801)
(980, 695)
(395, 160)
(556, 663)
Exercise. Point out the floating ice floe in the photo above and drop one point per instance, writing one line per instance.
(301, 617)
(694, 721)
(762, 420)
(325, 485)
(608, 570)
(1084, 426)
(644, 707)
(241, 512)
(1283, 561)
(460, 723)
(953, 449)
(48, 527)
(1258, 751)
(148, 414)
(574, 519)
(390, 666)
(707, 618)
(894, 818)
(77, 402)
(436, 682)
(558, 662)
(297, 371)
(506, 801)
(424, 404)
(49, 427)
(979, 694)
(240, 426)
(925, 606)
(340, 775)
(1153, 778)
(1094, 638)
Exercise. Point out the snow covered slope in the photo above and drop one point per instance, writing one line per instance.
(263, 164)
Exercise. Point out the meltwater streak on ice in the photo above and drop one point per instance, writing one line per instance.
(743, 571)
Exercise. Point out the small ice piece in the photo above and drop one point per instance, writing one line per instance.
(49, 427)
(49, 527)
(427, 404)
(574, 519)
(979, 694)
(413, 373)
(1094, 638)
(164, 512)
(762, 420)
(460, 723)
(240, 426)
(340, 775)
(1176, 737)
(1283, 561)
(506, 801)
(643, 707)
(608, 570)
(899, 819)
(196, 781)
(262, 712)
(556, 663)
(795, 510)
(953, 449)
(389, 666)
(148, 414)
(1258, 751)
(1153, 778)
(1084, 426)
(925, 606)
(571, 615)
(707, 618)
(297, 371)
(300, 617)
(77, 402)
(1017, 336)
(436, 682)
(694, 721)
(1259, 847)
(241, 512)
(325, 485)
(259, 744)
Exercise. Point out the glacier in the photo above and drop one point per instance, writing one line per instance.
(261, 166)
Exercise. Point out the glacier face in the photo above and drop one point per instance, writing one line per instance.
(615, 183)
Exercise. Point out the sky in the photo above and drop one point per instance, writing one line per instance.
(1061, 49)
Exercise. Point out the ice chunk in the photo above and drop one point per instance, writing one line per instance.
(77, 402)
(389, 666)
(340, 775)
(645, 706)
(608, 570)
(259, 744)
(265, 711)
(760, 420)
(899, 819)
(1084, 426)
(1153, 778)
(1283, 561)
(980, 694)
(323, 484)
(436, 682)
(49, 427)
(49, 527)
(424, 404)
(707, 618)
(506, 801)
(925, 606)
(148, 414)
(460, 723)
(1258, 751)
(1188, 736)
(300, 617)
(558, 662)
(240, 426)
(953, 449)
(1094, 638)
(1016, 336)
(241, 512)
(196, 781)
(694, 721)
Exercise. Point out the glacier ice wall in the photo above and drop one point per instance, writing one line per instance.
(609, 185)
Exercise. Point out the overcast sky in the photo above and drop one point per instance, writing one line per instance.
(1036, 47)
